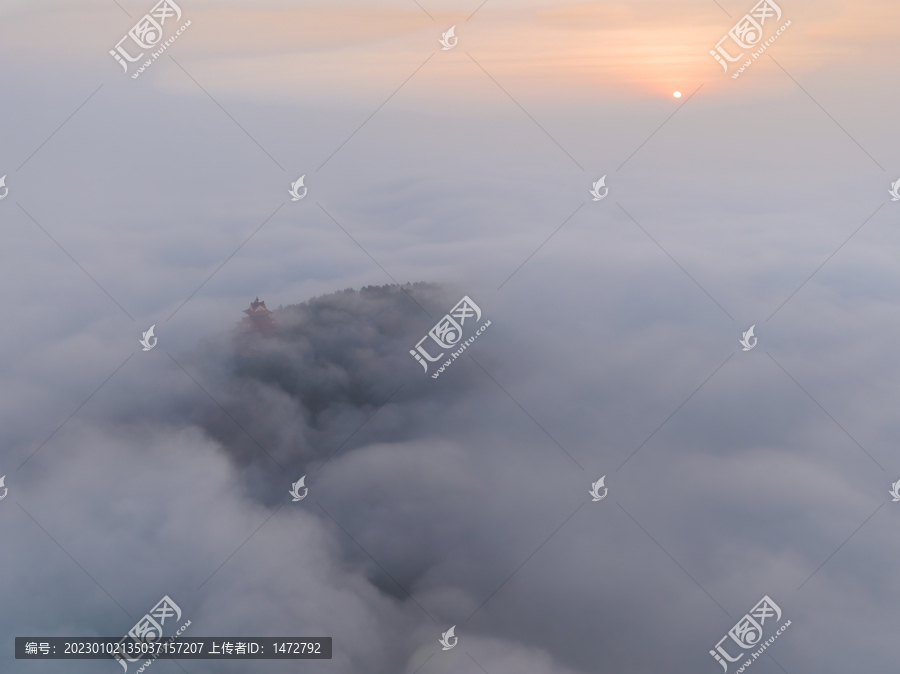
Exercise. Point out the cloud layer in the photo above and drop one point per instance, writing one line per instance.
(613, 349)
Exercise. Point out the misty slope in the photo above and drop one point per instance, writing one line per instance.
(302, 388)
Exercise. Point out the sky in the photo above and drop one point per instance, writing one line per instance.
(613, 347)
